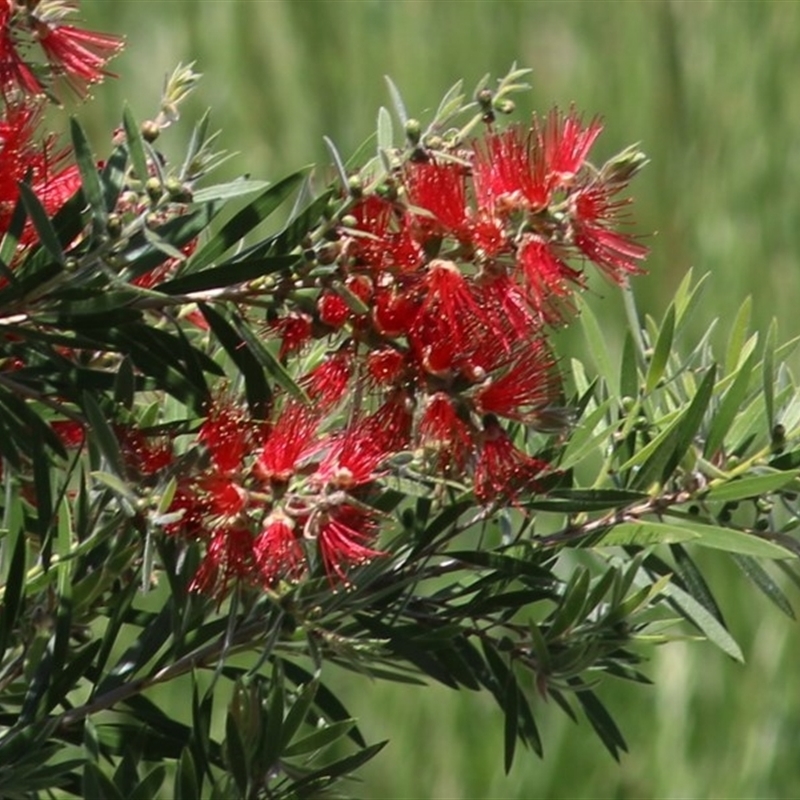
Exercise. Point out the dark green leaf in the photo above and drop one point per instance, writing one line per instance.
(728, 408)
(601, 721)
(90, 180)
(661, 352)
(762, 579)
(97, 784)
(186, 786)
(256, 386)
(236, 228)
(227, 275)
(135, 144)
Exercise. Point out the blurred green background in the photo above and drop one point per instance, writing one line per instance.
(710, 91)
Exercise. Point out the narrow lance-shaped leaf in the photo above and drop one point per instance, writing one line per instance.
(90, 180)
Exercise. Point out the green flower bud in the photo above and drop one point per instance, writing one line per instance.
(150, 130)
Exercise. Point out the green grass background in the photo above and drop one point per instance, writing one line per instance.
(710, 91)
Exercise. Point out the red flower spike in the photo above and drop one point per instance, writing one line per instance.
(523, 383)
(141, 454)
(327, 383)
(342, 538)
(192, 522)
(440, 190)
(279, 554)
(504, 300)
(394, 312)
(509, 172)
(228, 436)
(226, 498)
(387, 242)
(287, 443)
(547, 280)
(449, 318)
(71, 433)
(386, 366)
(593, 210)
(566, 143)
(294, 330)
(445, 433)
(77, 54)
(14, 71)
(332, 310)
(19, 157)
(229, 558)
(503, 471)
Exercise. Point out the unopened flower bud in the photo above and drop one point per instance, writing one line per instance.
(150, 130)
(623, 166)
(153, 188)
(413, 131)
(355, 186)
(505, 106)
(114, 226)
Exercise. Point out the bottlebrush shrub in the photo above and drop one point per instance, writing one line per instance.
(232, 460)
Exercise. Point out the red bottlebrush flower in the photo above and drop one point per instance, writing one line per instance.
(509, 172)
(440, 190)
(394, 312)
(71, 433)
(593, 211)
(385, 240)
(547, 279)
(228, 434)
(332, 310)
(294, 330)
(278, 552)
(287, 443)
(386, 366)
(487, 234)
(141, 454)
(449, 316)
(522, 383)
(229, 557)
(77, 54)
(354, 456)
(341, 538)
(195, 510)
(14, 71)
(442, 431)
(565, 143)
(502, 470)
(225, 498)
(327, 383)
(505, 301)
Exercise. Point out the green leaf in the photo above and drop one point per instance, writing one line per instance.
(762, 579)
(90, 180)
(665, 452)
(600, 720)
(751, 486)
(397, 101)
(728, 408)
(97, 784)
(704, 621)
(385, 131)
(643, 534)
(662, 351)
(186, 786)
(298, 713)
(768, 375)
(597, 343)
(149, 786)
(511, 711)
(102, 432)
(319, 738)
(738, 335)
(227, 191)
(629, 376)
(135, 143)
(575, 500)
(256, 386)
(41, 222)
(238, 226)
(227, 275)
